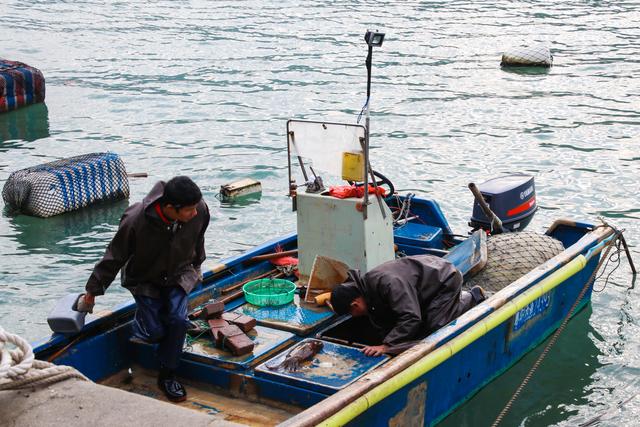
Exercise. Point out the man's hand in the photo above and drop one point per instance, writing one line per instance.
(375, 350)
(86, 303)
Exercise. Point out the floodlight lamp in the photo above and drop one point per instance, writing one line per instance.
(374, 38)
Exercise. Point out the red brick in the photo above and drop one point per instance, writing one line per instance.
(212, 310)
(233, 339)
(246, 323)
(216, 325)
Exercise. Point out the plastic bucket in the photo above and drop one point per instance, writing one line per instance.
(269, 292)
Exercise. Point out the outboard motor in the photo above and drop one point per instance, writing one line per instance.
(511, 197)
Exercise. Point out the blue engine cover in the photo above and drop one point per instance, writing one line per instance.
(511, 197)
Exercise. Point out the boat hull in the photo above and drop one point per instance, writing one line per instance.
(429, 381)
(421, 386)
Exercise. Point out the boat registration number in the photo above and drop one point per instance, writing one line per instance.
(530, 311)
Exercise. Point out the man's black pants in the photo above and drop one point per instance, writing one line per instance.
(164, 321)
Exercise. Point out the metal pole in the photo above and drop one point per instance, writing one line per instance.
(366, 140)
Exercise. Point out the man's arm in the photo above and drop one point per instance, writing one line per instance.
(118, 252)
(200, 251)
(402, 298)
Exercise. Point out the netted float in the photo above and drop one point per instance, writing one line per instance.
(20, 85)
(66, 185)
(527, 56)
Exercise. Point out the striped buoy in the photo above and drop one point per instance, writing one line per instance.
(527, 56)
(66, 185)
(20, 85)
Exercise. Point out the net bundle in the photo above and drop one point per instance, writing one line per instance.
(537, 56)
(66, 185)
(20, 85)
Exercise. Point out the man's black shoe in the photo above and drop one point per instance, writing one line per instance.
(478, 294)
(172, 388)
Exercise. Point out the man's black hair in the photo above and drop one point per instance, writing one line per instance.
(181, 191)
(342, 296)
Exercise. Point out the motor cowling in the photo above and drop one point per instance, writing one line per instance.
(511, 197)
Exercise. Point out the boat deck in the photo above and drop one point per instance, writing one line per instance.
(207, 399)
(243, 389)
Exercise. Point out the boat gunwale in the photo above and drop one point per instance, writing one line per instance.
(123, 312)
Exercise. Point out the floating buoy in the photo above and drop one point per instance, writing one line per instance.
(66, 185)
(20, 85)
(241, 188)
(527, 56)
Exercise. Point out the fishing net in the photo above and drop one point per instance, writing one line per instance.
(66, 185)
(511, 256)
(527, 56)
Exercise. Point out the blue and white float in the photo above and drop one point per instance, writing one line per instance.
(66, 185)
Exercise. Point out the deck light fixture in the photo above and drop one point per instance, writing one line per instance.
(374, 38)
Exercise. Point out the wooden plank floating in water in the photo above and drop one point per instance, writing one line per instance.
(243, 187)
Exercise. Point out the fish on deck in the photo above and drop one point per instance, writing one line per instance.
(296, 356)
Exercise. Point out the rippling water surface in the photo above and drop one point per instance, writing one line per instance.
(205, 89)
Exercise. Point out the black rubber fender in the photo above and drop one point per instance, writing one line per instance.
(511, 256)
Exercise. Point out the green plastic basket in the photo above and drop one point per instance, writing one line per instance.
(269, 292)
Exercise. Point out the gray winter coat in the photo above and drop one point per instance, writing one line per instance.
(408, 298)
(151, 253)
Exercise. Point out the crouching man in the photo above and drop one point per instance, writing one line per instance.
(405, 299)
(159, 246)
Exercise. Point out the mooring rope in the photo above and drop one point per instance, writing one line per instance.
(557, 333)
(19, 368)
(616, 258)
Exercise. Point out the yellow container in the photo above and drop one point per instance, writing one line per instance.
(352, 166)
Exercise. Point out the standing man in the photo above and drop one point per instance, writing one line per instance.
(159, 246)
(405, 299)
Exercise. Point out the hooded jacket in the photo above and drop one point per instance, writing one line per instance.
(408, 298)
(151, 253)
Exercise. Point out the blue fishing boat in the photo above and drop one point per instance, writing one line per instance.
(530, 297)
(419, 386)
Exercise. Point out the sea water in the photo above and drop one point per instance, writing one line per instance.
(204, 89)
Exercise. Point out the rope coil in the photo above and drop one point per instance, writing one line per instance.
(19, 368)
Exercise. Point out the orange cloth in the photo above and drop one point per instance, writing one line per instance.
(347, 191)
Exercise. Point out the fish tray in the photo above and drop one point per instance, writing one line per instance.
(331, 369)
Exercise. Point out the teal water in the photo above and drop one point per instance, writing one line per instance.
(205, 89)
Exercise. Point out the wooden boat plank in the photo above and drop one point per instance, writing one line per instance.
(267, 342)
(206, 399)
(298, 317)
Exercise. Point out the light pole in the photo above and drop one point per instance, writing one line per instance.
(373, 38)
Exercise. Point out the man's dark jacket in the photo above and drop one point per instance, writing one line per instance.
(408, 298)
(152, 253)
